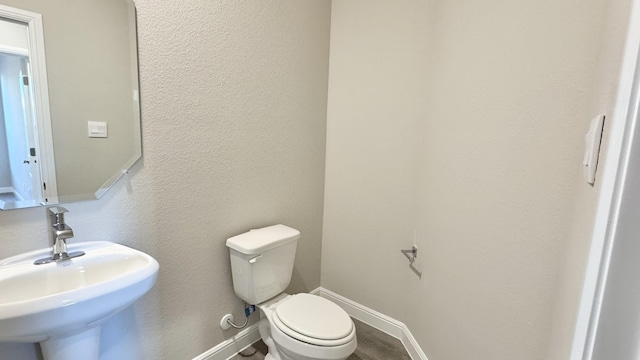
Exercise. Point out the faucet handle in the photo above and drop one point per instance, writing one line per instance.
(58, 210)
(57, 215)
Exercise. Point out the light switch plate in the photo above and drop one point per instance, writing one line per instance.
(97, 129)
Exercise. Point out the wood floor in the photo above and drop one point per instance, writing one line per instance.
(372, 345)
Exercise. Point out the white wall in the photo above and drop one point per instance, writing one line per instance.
(602, 99)
(379, 63)
(462, 123)
(233, 118)
(619, 325)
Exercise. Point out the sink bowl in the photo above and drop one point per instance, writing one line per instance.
(62, 305)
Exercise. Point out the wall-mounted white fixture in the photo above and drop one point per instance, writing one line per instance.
(592, 148)
(97, 129)
(62, 305)
(300, 326)
(226, 321)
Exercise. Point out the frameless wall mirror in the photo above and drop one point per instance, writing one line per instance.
(69, 103)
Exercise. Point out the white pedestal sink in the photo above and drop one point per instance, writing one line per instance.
(62, 305)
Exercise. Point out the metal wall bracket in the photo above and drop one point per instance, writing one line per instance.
(412, 254)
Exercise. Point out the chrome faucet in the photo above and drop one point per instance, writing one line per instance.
(60, 232)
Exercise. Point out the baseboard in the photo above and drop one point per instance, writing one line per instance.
(377, 320)
(395, 328)
(230, 347)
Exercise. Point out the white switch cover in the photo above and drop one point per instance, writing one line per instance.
(592, 148)
(97, 129)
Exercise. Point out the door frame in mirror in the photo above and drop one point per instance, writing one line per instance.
(38, 79)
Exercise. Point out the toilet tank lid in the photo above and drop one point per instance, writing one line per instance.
(257, 241)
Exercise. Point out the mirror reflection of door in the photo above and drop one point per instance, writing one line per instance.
(21, 181)
(19, 167)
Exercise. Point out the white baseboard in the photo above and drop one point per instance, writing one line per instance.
(395, 328)
(230, 347)
(377, 320)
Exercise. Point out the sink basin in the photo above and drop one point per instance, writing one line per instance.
(62, 305)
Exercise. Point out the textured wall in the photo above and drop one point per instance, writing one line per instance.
(379, 66)
(462, 123)
(576, 250)
(233, 118)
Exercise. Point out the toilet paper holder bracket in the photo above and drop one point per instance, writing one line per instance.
(412, 254)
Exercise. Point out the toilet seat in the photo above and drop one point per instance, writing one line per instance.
(314, 320)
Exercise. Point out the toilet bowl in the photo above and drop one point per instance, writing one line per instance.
(306, 327)
(294, 327)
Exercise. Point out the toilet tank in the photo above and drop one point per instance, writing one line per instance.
(262, 262)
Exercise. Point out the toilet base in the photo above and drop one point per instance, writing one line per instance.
(284, 347)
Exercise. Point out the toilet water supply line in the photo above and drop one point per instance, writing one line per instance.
(227, 322)
(248, 309)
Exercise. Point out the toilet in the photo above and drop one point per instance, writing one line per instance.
(294, 327)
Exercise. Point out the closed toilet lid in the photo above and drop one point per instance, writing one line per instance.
(313, 317)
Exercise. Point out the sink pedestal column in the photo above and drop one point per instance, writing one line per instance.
(82, 346)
